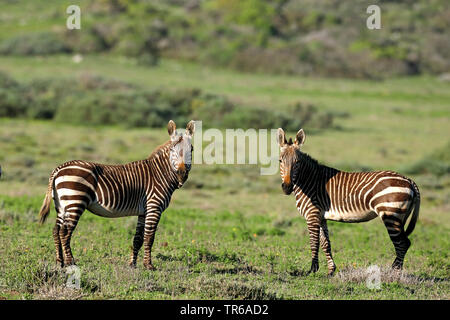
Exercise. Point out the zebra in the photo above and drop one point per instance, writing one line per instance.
(141, 188)
(323, 193)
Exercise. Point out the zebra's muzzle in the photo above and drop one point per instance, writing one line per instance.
(287, 188)
(182, 176)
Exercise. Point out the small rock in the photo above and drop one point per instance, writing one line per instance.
(445, 77)
(77, 58)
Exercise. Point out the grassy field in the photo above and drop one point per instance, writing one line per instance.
(229, 233)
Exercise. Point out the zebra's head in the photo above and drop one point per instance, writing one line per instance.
(181, 150)
(289, 152)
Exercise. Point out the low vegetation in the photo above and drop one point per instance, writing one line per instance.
(94, 100)
(229, 233)
(326, 38)
(213, 254)
(436, 163)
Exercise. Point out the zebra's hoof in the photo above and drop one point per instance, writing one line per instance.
(397, 266)
(149, 267)
(314, 268)
(311, 271)
(331, 272)
(68, 263)
(60, 263)
(132, 265)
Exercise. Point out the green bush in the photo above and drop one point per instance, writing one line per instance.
(6, 82)
(13, 98)
(258, 14)
(437, 163)
(94, 100)
(308, 37)
(43, 43)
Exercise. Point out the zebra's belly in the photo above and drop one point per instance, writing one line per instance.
(97, 209)
(353, 216)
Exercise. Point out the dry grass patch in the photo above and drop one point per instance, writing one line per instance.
(387, 275)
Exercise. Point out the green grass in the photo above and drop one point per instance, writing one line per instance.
(22, 17)
(229, 232)
(400, 119)
(221, 255)
(423, 91)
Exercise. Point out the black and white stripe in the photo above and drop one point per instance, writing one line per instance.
(323, 193)
(141, 188)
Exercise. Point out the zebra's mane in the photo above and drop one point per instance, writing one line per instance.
(304, 157)
(309, 161)
(159, 150)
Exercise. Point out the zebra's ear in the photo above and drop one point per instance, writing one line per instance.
(281, 137)
(300, 137)
(190, 128)
(171, 128)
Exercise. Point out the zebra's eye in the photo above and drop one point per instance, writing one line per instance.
(280, 161)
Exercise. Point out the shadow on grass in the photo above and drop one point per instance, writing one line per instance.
(164, 257)
(248, 269)
(298, 273)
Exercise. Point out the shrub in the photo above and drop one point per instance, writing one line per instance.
(13, 99)
(12, 103)
(6, 82)
(326, 38)
(437, 163)
(94, 100)
(83, 42)
(43, 43)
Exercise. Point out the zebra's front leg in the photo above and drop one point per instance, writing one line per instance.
(138, 240)
(313, 221)
(151, 224)
(326, 246)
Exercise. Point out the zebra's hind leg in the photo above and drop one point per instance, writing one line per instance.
(326, 246)
(71, 217)
(394, 225)
(138, 240)
(57, 240)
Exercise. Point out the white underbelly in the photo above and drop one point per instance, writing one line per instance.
(352, 216)
(103, 211)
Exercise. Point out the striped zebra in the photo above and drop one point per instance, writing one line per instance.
(141, 188)
(323, 193)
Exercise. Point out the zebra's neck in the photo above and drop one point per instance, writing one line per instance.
(310, 171)
(161, 168)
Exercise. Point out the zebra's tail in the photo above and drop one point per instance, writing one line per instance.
(415, 215)
(45, 209)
